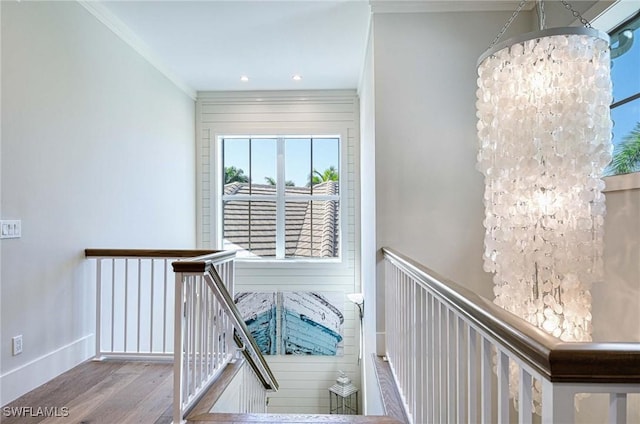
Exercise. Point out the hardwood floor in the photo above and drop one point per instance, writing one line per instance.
(113, 392)
(106, 392)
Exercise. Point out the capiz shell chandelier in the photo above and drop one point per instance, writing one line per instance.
(544, 129)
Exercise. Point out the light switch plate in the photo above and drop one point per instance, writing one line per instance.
(10, 228)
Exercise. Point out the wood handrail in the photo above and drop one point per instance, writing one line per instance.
(254, 355)
(200, 264)
(204, 265)
(558, 361)
(147, 253)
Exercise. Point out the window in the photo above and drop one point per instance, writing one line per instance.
(281, 196)
(625, 110)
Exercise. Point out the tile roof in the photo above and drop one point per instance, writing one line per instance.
(311, 227)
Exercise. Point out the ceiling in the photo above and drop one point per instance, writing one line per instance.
(209, 45)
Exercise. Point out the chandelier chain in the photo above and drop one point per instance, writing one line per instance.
(575, 13)
(541, 18)
(508, 23)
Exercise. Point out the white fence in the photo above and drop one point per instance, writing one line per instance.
(454, 355)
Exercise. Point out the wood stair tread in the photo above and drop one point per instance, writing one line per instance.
(290, 419)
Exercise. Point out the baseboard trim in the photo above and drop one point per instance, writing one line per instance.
(20, 380)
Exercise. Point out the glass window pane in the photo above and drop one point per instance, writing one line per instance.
(263, 229)
(235, 161)
(250, 228)
(263, 163)
(311, 229)
(297, 162)
(625, 68)
(326, 165)
(236, 225)
(297, 190)
(626, 119)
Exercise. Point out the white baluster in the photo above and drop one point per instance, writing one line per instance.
(486, 376)
(139, 305)
(113, 302)
(98, 308)
(525, 397)
(178, 385)
(452, 344)
(472, 376)
(461, 370)
(503, 387)
(557, 403)
(151, 304)
(618, 408)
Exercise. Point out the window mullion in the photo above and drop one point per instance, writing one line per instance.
(280, 200)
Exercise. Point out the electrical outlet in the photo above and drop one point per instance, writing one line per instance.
(16, 345)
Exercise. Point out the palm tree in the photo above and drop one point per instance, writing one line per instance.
(272, 181)
(233, 174)
(329, 174)
(626, 157)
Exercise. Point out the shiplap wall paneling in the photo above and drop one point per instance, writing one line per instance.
(304, 380)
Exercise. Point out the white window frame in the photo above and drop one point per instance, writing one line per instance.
(606, 20)
(280, 198)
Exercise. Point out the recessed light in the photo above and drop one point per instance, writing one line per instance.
(244, 78)
(296, 77)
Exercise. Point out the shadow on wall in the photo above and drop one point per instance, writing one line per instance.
(616, 301)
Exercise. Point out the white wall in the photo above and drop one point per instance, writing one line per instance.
(429, 194)
(304, 380)
(97, 151)
(616, 301)
(420, 191)
(372, 398)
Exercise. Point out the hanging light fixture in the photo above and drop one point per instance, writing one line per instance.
(544, 129)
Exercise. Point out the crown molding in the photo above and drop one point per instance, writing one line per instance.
(434, 6)
(277, 96)
(119, 28)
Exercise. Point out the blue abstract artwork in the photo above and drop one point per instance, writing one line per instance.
(259, 313)
(294, 323)
(312, 323)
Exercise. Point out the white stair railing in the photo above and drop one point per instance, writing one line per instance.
(134, 301)
(444, 342)
(208, 331)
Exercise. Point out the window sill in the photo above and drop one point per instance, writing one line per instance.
(288, 263)
(622, 182)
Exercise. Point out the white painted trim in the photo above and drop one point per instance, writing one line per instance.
(120, 29)
(26, 377)
(622, 182)
(422, 6)
(199, 183)
(606, 16)
(363, 61)
(1, 391)
(302, 95)
(311, 131)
